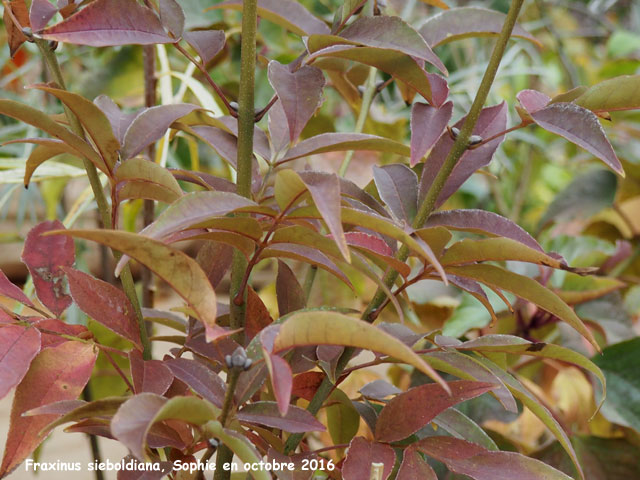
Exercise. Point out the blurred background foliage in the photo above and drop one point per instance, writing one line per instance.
(554, 190)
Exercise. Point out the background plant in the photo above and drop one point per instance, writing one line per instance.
(469, 307)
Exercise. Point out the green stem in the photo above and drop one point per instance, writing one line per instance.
(428, 204)
(367, 100)
(96, 185)
(225, 455)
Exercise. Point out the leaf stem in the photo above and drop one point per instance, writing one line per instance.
(126, 278)
(428, 204)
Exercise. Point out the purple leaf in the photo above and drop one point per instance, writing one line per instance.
(207, 43)
(464, 22)
(150, 125)
(379, 390)
(398, 188)
(296, 419)
(533, 100)
(427, 124)
(224, 143)
(119, 121)
(131, 423)
(45, 257)
(281, 380)
(414, 467)
(105, 304)
(480, 221)
(470, 459)
(8, 289)
(492, 120)
(439, 89)
(151, 376)
(172, 17)
(278, 130)
(41, 12)
(286, 13)
(215, 260)
(325, 192)
(18, 346)
(300, 93)
(409, 412)
(106, 23)
(361, 454)
(579, 126)
(391, 33)
(204, 381)
(288, 290)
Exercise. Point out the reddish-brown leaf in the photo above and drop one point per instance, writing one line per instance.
(8, 289)
(288, 290)
(50, 326)
(105, 304)
(200, 378)
(361, 454)
(257, 315)
(45, 257)
(427, 124)
(297, 420)
(15, 36)
(57, 373)
(409, 412)
(414, 467)
(151, 376)
(306, 384)
(18, 346)
(106, 23)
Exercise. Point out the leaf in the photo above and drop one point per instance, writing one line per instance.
(587, 194)
(172, 17)
(533, 100)
(177, 269)
(619, 93)
(150, 125)
(286, 13)
(40, 13)
(361, 454)
(119, 121)
(391, 33)
(204, 381)
(299, 92)
(379, 390)
(42, 121)
(579, 126)
(56, 373)
(399, 65)
(45, 258)
(281, 380)
(8, 289)
(427, 124)
(466, 22)
(207, 43)
(527, 289)
(151, 376)
(46, 148)
(343, 420)
(325, 192)
(144, 173)
(105, 304)
(397, 185)
(239, 444)
(410, 411)
(106, 23)
(15, 36)
(461, 426)
(619, 363)
(413, 467)
(492, 121)
(92, 119)
(257, 316)
(331, 328)
(519, 346)
(18, 347)
(72, 411)
(296, 420)
(289, 293)
(474, 461)
(481, 221)
(336, 142)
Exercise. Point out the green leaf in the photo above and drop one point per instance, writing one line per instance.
(330, 328)
(619, 93)
(343, 419)
(527, 289)
(461, 426)
(145, 179)
(176, 268)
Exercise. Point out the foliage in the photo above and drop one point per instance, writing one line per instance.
(503, 378)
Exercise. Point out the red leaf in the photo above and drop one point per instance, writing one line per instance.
(296, 419)
(439, 89)
(279, 370)
(57, 373)
(368, 242)
(257, 315)
(306, 384)
(106, 23)
(288, 290)
(300, 93)
(45, 257)
(200, 378)
(207, 43)
(58, 326)
(414, 467)
(15, 36)
(41, 12)
(362, 454)
(427, 124)
(105, 304)
(409, 412)
(18, 346)
(8, 289)
(474, 461)
(150, 376)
